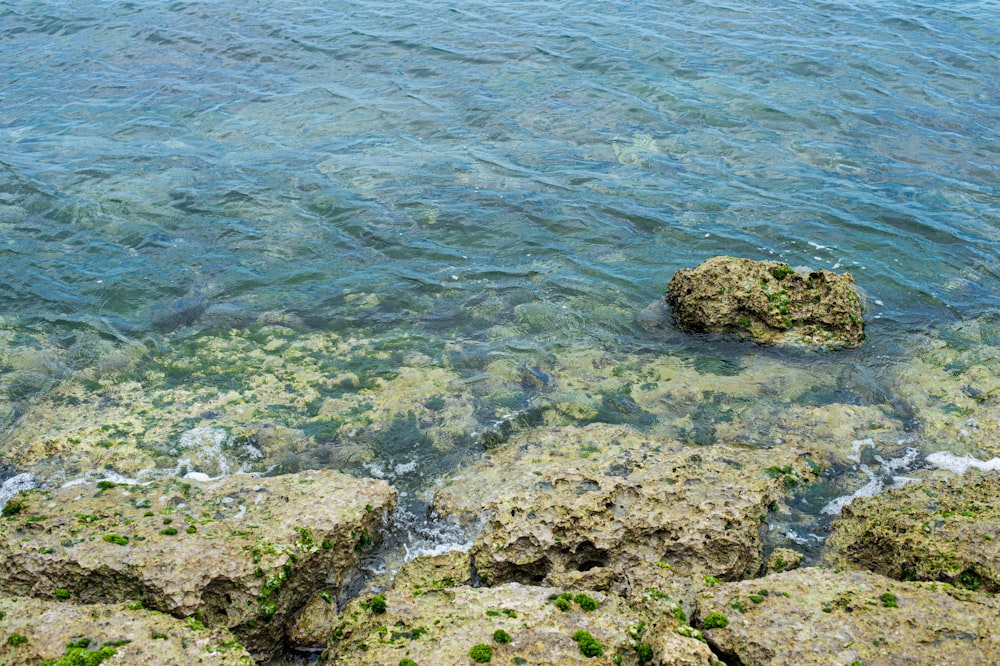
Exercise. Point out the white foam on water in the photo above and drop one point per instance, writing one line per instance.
(14, 485)
(856, 447)
(878, 482)
(115, 477)
(961, 464)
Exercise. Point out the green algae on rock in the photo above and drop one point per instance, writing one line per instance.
(132, 634)
(767, 302)
(952, 382)
(819, 617)
(603, 506)
(253, 400)
(442, 625)
(261, 547)
(945, 530)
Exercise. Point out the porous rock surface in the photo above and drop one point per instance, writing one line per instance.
(239, 552)
(441, 626)
(310, 628)
(945, 530)
(817, 616)
(606, 507)
(138, 637)
(767, 302)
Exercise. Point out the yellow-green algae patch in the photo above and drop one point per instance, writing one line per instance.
(442, 625)
(325, 386)
(756, 399)
(952, 382)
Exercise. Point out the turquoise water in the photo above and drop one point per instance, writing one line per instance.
(471, 180)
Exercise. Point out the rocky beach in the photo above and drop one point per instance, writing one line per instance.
(591, 534)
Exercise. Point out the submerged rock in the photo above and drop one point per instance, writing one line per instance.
(605, 507)
(945, 530)
(767, 302)
(516, 624)
(816, 616)
(952, 381)
(34, 630)
(240, 552)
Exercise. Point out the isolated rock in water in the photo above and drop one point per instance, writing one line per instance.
(239, 552)
(815, 616)
(35, 630)
(945, 530)
(767, 302)
(518, 624)
(599, 507)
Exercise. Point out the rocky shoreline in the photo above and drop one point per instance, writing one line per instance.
(652, 547)
(627, 509)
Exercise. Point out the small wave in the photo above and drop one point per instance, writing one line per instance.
(961, 464)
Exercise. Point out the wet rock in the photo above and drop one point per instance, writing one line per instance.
(239, 552)
(816, 616)
(450, 569)
(441, 626)
(945, 530)
(602, 507)
(310, 629)
(767, 302)
(127, 631)
(784, 559)
(952, 381)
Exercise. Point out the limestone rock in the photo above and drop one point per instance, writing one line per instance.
(951, 380)
(449, 569)
(767, 302)
(784, 559)
(442, 625)
(138, 637)
(309, 628)
(946, 530)
(816, 616)
(239, 552)
(602, 506)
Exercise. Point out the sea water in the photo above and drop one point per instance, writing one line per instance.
(383, 237)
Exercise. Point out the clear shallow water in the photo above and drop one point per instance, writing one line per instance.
(462, 181)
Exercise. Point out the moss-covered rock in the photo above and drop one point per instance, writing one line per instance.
(784, 559)
(817, 616)
(126, 633)
(442, 626)
(605, 507)
(767, 302)
(946, 530)
(240, 552)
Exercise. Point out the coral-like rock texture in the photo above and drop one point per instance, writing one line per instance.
(240, 552)
(599, 506)
(121, 633)
(816, 616)
(442, 625)
(767, 302)
(946, 530)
